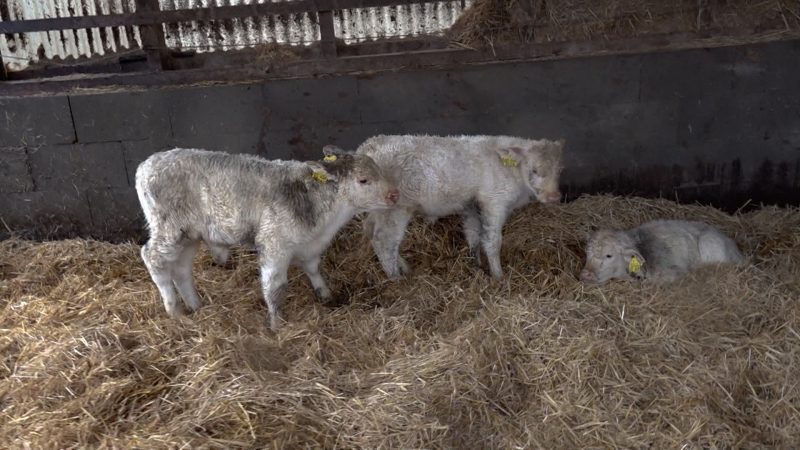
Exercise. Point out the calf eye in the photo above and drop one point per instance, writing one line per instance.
(363, 181)
(608, 256)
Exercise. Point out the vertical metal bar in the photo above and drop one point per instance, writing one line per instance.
(326, 34)
(153, 42)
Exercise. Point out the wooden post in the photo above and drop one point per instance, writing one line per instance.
(3, 74)
(153, 42)
(327, 36)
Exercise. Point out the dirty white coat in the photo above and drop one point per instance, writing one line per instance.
(288, 210)
(483, 178)
(664, 250)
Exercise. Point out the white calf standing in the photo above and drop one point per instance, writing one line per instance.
(659, 251)
(483, 178)
(288, 210)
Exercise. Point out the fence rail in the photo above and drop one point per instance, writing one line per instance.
(149, 17)
(156, 16)
(151, 22)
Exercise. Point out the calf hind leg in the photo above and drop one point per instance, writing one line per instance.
(273, 284)
(716, 248)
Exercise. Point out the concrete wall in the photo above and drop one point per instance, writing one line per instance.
(720, 126)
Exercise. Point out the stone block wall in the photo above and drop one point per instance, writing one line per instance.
(720, 126)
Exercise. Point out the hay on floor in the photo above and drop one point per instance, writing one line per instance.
(491, 22)
(446, 359)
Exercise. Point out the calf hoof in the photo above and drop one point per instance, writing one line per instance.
(397, 276)
(336, 301)
(227, 264)
(403, 268)
(275, 323)
(190, 308)
(322, 294)
(177, 311)
(474, 258)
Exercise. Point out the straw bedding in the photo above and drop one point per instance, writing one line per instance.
(490, 22)
(446, 359)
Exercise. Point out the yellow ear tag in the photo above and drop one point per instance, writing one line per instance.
(329, 158)
(509, 161)
(319, 177)
(634, 266)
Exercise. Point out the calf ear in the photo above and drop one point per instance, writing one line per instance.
(320, 174)
(591, 232)
(335, 150)
(510, 156)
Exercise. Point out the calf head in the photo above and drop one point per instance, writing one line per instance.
(540, 165)
(611, 254)
(360, 181)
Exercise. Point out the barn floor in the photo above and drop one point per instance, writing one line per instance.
(447, 359)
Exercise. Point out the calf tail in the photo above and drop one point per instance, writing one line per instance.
(144, 191)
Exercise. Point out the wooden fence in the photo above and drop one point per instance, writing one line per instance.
(149, 18)
(333, 57)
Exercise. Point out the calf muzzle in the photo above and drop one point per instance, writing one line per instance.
(392, 196)
(588, 276)
(552, 197)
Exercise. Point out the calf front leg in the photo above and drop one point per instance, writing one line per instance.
(472, 233)
(492, 220)
(311, 268)
(182, 275)
(273, 284)
(387, 235)
(160, 254)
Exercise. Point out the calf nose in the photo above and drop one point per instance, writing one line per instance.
(587, 275)
(392, 196)
(553, 197)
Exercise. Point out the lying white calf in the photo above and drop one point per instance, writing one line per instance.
(660, 251)
(483, 178)
(288, 210)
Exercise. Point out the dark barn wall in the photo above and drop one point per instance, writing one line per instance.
(720, 126)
